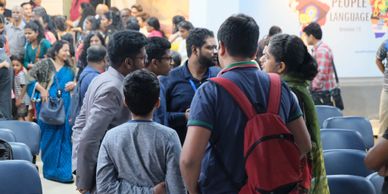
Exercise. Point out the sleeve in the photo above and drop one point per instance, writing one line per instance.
(174, 182)
(295, 111)
(27, 59)
(202, 109)
(107, 176)
(382, 51)
(44, 48)
(106, 105)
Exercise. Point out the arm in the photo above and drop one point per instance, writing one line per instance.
(302, 138)
(174, 180)
(193, 150)
(380, 65)
(106, 105)
(107, 176)
(4, 64)
(377, 157)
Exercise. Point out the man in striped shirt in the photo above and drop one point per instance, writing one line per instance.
(324, 82)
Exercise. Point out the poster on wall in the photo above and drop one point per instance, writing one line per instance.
(354, 29)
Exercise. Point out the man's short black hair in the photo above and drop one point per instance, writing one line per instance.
(141, 91)
(274, 30)
(240, 34)
(124, 44)
(313, 29)
(186, 25)
(96, 53)
(156, 48)
(132, 24)
(197, 38)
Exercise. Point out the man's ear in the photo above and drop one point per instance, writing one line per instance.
(194, 50)
(157, 104)
(222, 49)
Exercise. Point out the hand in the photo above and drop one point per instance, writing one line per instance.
(82, 190)
(70, 86)
(160, 188)
(30, 65)
(187, 114)
(18, 102)
(383, 171)
(44, 95)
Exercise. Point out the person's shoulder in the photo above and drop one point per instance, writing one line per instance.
(214, 70)
(176, 71)
(45, 43)
(162, 130)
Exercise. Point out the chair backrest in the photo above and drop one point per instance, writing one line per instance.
(345, 161)
(377, 181)
(7, 135)
(324, 112)
(19, 176)
(342, 139)
(341, 184)
(21, 151)
(359, 124)
(25, 132)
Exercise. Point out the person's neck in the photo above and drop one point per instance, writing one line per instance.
(34, 43)
(196, 69)
(27, 19)
(231, 60)
(59, 63)
(16, 23)
(147, 117)
(98, 66)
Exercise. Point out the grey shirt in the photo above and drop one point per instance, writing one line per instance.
(6, 85)
(136, 156)
(382, 55)
(102, 109)
(16, 38)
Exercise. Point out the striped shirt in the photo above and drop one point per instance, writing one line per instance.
(382, 55)
(324, 80)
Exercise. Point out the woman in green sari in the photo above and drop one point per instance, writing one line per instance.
(288, 56)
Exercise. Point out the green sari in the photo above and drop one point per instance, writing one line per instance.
(319, 184)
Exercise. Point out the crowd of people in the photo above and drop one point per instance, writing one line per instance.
(143, 112)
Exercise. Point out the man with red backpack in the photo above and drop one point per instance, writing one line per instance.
(245, 132)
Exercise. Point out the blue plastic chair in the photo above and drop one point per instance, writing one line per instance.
(25, 132)
(7, 135)
(377, 181)
(21, 151)
(342, 139)
(345, 161)
(324, 112)
(349, 184)
(19, 176)
(359, 124)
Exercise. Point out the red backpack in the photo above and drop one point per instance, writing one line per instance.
(272, 159)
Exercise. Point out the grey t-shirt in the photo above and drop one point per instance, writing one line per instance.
(382, 55)
(136, 156)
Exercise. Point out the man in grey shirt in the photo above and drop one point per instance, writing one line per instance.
(103, 105)
(15, 32)
(140, 152)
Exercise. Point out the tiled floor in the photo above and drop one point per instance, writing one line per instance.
(51, 187)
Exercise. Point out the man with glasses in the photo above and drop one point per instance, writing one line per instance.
(103, 106)
(159, 62)
(183, 81)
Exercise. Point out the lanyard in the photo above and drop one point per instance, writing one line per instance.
(193, 84)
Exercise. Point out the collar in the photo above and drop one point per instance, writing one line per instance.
(292, 80)
(241, 64)
(91, 69)
(115, 73)
(318, 45)
(188, 74)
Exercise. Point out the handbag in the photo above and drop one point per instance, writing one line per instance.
(52, 111)
(336, 92)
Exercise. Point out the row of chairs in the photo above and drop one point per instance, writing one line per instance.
(345, 140)
(20, 175)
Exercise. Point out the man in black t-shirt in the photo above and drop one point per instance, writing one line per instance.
(377, 159)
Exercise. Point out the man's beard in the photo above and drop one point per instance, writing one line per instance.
(205, 62)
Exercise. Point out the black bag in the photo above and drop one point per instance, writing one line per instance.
(52, 111)
(5, 150)
(336, 92)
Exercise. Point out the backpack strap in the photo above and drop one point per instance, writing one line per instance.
(275, 88)
(238, 95)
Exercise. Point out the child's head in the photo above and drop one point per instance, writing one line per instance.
(141, 91)
(17, 63)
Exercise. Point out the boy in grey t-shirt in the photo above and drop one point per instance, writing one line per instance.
(139, 154)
